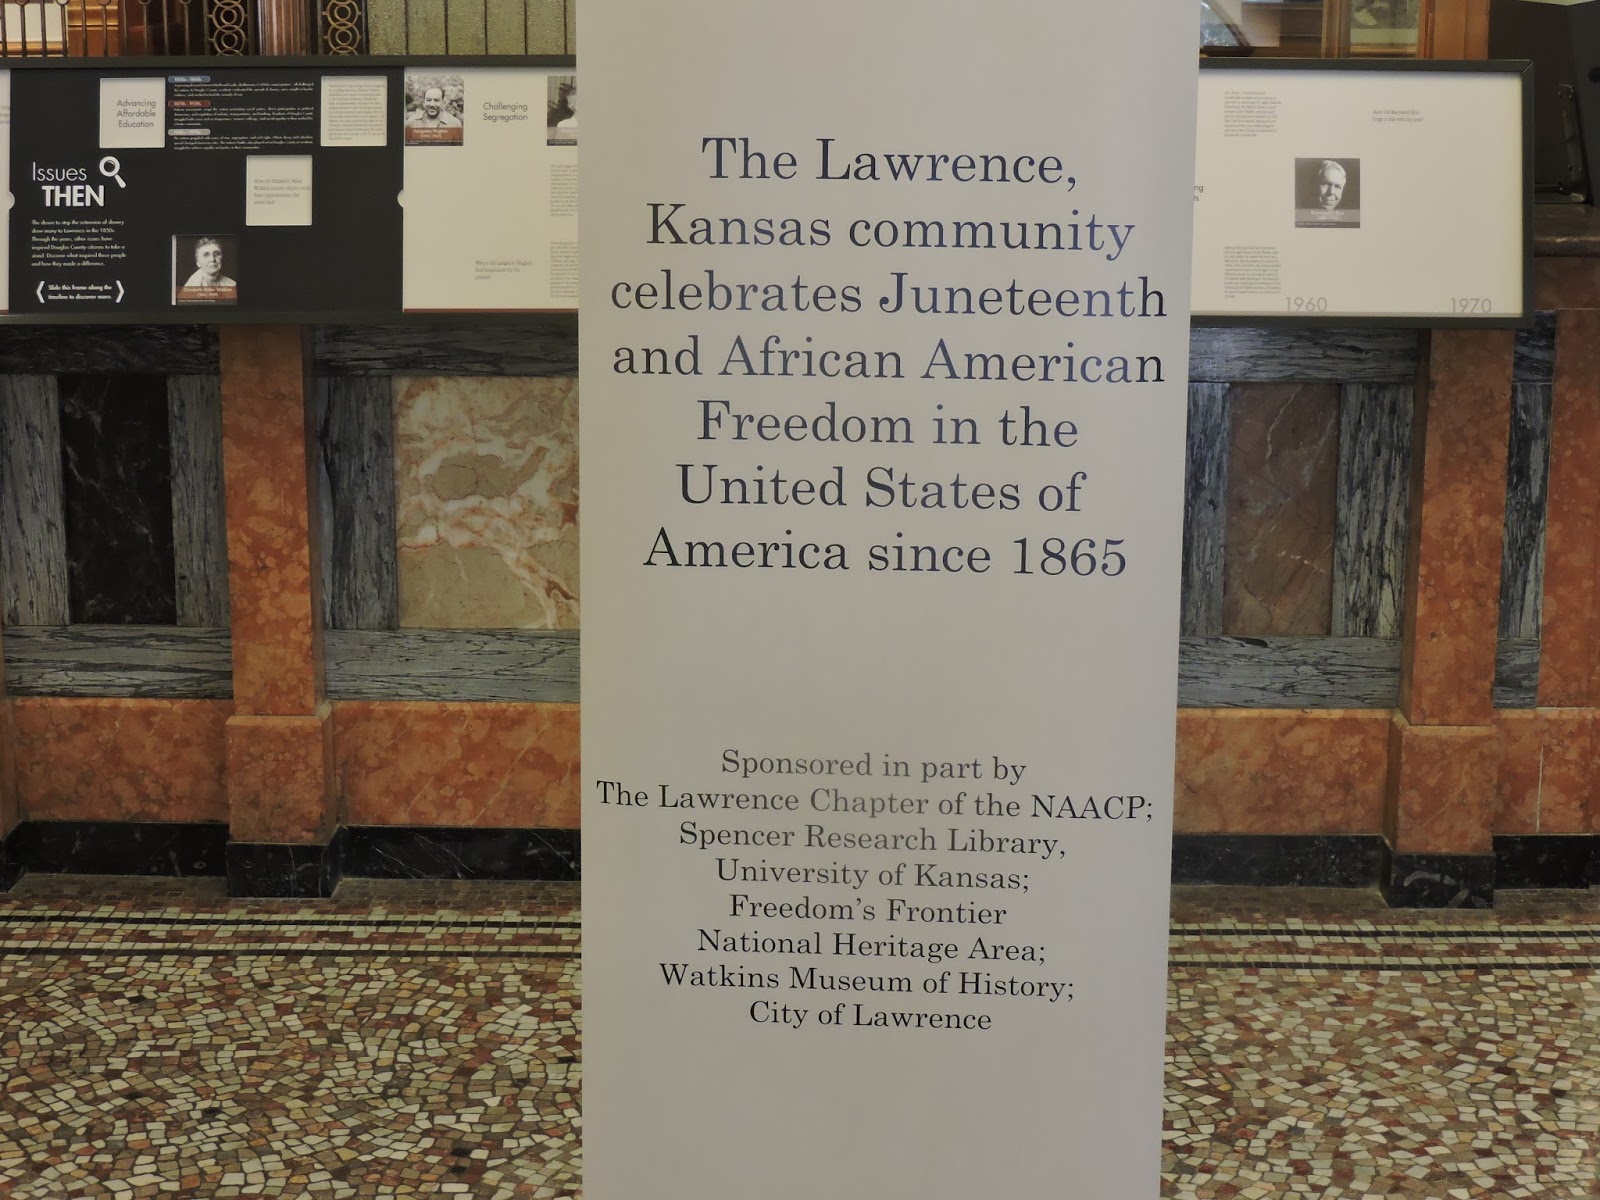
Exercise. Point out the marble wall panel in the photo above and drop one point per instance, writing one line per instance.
(1443, 788)
(486, 497)
(537, 346)
(464, 765)
(1548, 772)
(8, 777)
(1570, 619)
(1283, 468)
(1369, 560)
(33, 539)
(1534, 358)
(48, 350)
(274, 586)
(1239, 353)
(280, 779)
(1527, 485)
(199, 521)
(1280, 771)
(1205, 500)
(355, 434)
(1566, 283)
(120, 760)
(1459, 471)
(117, 494)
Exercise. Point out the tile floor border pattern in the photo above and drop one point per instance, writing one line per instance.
(353, 1049)
(232, 1051)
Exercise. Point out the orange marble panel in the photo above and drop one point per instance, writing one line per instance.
(1449, 30)
(473, 765)
(280, 779)
(8, 782)
(1453, 595)
(1282, 476)
(1566, 283)
(273, 588)
(1476, 45)
(1443, 788)
(1547, 771)
(119, 760)
(1569, 637)
(1280, 771)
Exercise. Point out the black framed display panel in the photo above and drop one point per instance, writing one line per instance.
(1267, 126)
(304, 190)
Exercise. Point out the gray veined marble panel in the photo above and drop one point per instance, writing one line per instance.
(1288, 672)
(1205, 509)
(119, 660)
(199, 517)
(544, 345)
(1516, 673)
(33, 529)
(1534, 359)
(355, 431)
(107, 349)
(1527, 481)
(1373, 498)
(452, 664)
(1245, 355)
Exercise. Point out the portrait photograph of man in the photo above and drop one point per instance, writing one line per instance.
(434, 107)
(1327, 193)
(204, 267)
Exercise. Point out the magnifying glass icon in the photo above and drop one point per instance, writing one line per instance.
(112, 169)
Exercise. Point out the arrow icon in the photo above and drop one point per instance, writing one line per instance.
(40, 291)
(120, 292)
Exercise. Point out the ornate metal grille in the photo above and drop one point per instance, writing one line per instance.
(106, 28)
(343, 26)
(229, 27)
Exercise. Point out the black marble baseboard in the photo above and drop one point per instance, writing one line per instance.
(287, 871)
(10, 868)
(113, 848)
(1439, 880)
(275, 871)
(1270, 860)
(1545, 861)
(419, 852)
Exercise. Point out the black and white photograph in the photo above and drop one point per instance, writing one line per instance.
(205, 269)
(436, 104)
(1379, 26)
(561, 121)
(1327, 193)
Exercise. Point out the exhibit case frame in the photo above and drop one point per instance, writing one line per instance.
(329, 241)
(1453, 264)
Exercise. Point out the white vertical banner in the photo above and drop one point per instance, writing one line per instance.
(884, 360)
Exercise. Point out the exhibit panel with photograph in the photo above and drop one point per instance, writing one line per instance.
(1327, 193)
(1380, 191)
(289, 191)
(214, 261)
(435, 101)
(491, 194)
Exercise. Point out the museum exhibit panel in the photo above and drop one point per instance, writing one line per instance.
(435, 549)
(290, 602)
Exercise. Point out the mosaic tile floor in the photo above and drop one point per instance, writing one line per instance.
(157, 1039)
